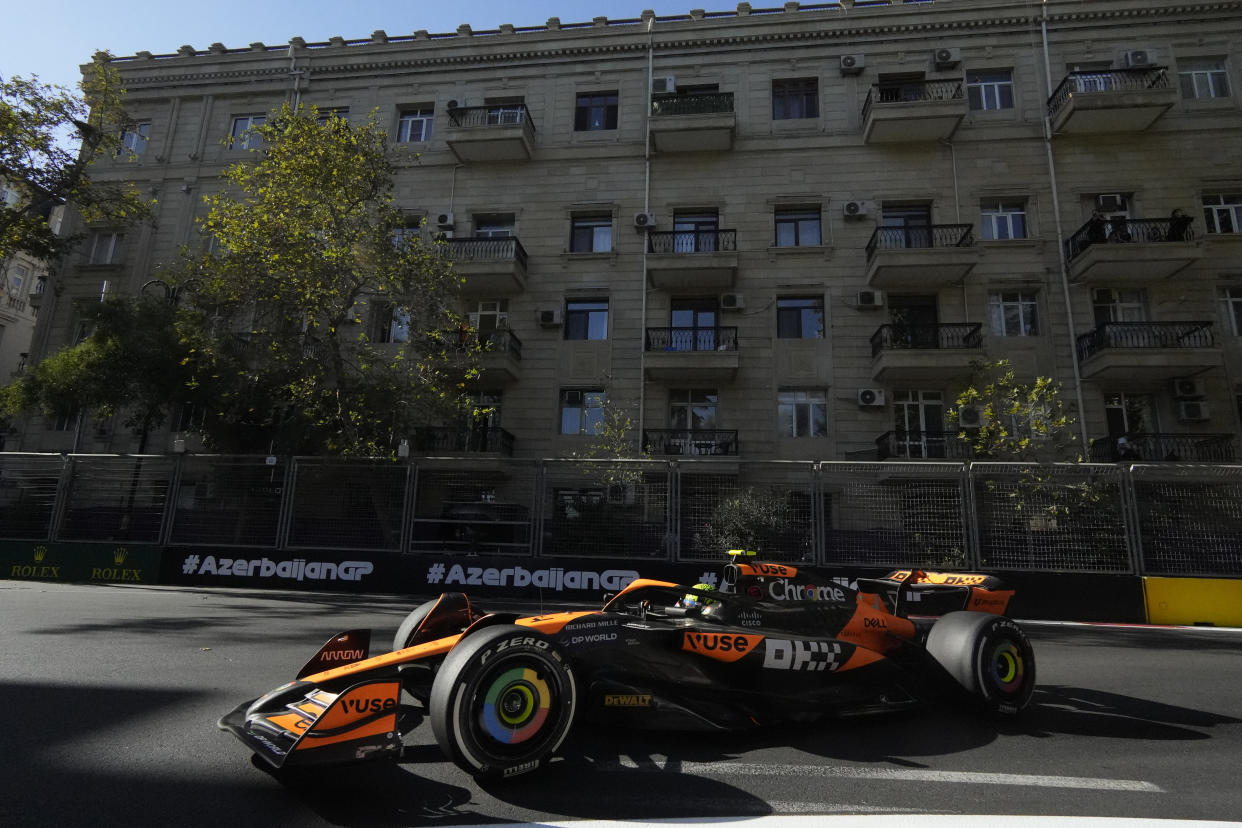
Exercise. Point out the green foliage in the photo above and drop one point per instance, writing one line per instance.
(277, 325)
(49, 139)
(614, 439)
(1021, 421)
(765, 521)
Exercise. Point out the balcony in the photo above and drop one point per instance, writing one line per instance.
(1147, 351)
(902, 353)
(691, 259)
(1133, 447)
(1112, 100)
(693, 122)
(689, 443)
(1132, 250)
(913, 111)
(921, 257)
(922, 445)
(490, 133)
(489, 265)
(503, 358)
(439, 441)
(707, 354)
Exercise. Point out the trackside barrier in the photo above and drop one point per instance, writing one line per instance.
(320, 521)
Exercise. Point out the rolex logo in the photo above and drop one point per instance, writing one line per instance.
(40, 552)
(119, 555)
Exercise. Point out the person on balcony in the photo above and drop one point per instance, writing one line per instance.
(1179, 226)
(1097, 228)
(1119, 230)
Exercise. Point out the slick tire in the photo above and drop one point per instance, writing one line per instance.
(502, 702)
(406, 631)
(989, 656)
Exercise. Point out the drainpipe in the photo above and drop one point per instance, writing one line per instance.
(957, 212)
(642, 331)
(1056, 214)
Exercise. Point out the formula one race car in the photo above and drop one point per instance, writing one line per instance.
(773, 644)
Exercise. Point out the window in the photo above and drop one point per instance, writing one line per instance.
(8, 197)
(1231, 305)
(1222, 212)
(134, 140)
(242, 135)
(512, 112)
(1203, 78)
(1116, 305)
(17, 278)
(105, 247)
(800, 317)
(328, 113)
(797, 227)
(692, 409)
(1129, 413)
(591, 234)
(989, 90)
(493, 227)
(802, 413)
(586, 319)
(488, 315)
(414, 125)
(1014, 313)
(582, 410)
(391, 324)
(795, 98)
(695, 232)
(595, 111)
(1003, 220)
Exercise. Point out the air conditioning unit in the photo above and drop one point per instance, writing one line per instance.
(869, 299)
(573, 398)
(1185, 388)
(549, 317)
(445, 220)
(853, 64)
(971, 416)
(644, 221)
(946, 58)
(732, 301)
(1192, 411)
(871, 397)
(1110, 202)
(1138, 58)
(664, 85)
(854, 209)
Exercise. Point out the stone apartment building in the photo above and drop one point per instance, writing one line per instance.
(774, 233)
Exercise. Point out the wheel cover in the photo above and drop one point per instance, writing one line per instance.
(1005, 668)
(515, 705)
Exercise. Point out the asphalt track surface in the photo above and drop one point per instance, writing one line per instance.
(109, 697)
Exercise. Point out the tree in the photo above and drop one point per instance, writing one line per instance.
(1012, 420)
(49, 140)
(311, 251)
(132, 361)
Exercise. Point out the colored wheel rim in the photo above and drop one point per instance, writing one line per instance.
(515, 705)
(1007, 668)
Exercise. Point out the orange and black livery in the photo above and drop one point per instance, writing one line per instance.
(770, 643)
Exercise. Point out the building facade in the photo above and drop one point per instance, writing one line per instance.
(778, 233)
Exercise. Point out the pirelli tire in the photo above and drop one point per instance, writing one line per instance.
(406, 631)
(989, 656)
(502, 702)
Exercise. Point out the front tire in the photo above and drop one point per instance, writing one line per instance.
(502, 702)
(989, 656)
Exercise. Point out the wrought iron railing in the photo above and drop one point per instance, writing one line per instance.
(927, 236)
(1106, 80)
(486, 249)
(692, 442)
(1146, 335)
(950, 336)
(1123, 230)
(692, 339)
(496, 115)
(432, 440)
(691, 241)
(922, 445)
(503, 342)
(1138, 447)
(693, 103)
(914, 91)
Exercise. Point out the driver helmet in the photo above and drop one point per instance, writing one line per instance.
(697, 599)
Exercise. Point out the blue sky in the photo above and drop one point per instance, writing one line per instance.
(51, 38)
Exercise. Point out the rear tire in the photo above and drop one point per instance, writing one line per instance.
(502, 702)
(989, 656)
(406, 631)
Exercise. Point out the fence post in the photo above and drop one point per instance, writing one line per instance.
(1130, 517)
(286, 504)
(407, 509)
(63, 485)
(970, 519)
(170, 501)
